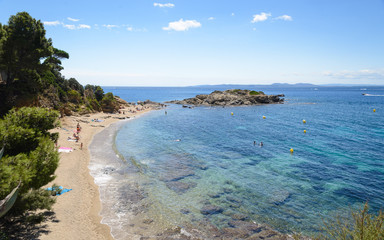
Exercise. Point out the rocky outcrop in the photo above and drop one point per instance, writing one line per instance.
(234, 97)
(149, 103)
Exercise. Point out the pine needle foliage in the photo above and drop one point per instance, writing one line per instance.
(363, 226)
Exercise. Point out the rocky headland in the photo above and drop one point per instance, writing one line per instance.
(233, 97)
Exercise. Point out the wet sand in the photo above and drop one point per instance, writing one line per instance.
(77, 213)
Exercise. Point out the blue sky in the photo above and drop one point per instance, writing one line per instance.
(193, 42)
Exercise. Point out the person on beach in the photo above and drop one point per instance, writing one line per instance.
(81, 146)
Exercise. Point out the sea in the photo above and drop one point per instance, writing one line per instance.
(201, 168)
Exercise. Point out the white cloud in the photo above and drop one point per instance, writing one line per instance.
(182, 25)
(163, 5)
(260, 17)
(109, 26)
(54, 23)
(73, 19)
(81, 26)
(130, 29)
(211, 18)
(68, 26)
(284, 17)
(232, 14)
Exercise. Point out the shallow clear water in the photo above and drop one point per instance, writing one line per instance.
(337, 164)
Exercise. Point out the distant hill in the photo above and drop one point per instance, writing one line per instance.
(254, 86)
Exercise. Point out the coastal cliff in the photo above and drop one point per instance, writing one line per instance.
(233, 97)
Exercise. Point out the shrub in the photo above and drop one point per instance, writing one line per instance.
(256, 93)
(363, 226)
(30, 157)
(74, 96)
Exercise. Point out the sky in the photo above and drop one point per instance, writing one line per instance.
(198, 42)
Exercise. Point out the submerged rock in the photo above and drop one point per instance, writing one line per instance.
(180, 187)
(211, 209)
(214, 195)
(280, 197)
(239, 216)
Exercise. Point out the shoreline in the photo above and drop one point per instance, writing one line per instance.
(77, 212)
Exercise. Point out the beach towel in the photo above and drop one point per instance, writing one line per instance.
(63, 190)
(65, 149)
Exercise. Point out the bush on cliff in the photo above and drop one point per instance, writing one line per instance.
(361, 226)
(29, 157)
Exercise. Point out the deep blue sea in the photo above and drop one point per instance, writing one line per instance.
(202, 156)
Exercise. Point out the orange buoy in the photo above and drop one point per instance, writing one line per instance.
(291, 150)
(263, 117)
(305, 131)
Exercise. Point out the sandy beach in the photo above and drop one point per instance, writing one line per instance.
(77, 211)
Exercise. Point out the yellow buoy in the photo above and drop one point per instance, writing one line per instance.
(374, 110)
(291, 150)
(305, 131)
(263, 117)
(232, 113)
(304, 121)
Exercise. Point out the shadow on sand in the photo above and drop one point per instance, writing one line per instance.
(26, 227)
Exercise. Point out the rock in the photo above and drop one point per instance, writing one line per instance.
(239, 216)
(148, 221)
(211, 209)
(234, 97)
(280, 197)
(235, 233)
(180, 187)
(185, 211)
(234, 199)
(227, 190)
(177, 174)
(214, 195)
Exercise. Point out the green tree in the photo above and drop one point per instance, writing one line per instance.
(30, 156)
(25, 45)
(75, 85)
(99, 93)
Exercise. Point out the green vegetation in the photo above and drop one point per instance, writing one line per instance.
(362, 226)
(30, 77)
(30, 157)
(246, 92)
(30, 71)
(256, 93)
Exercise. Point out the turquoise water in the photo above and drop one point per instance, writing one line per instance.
(338, 164)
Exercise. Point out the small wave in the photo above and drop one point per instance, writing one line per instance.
(373, 95)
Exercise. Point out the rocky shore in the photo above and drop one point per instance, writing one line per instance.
(233, 97)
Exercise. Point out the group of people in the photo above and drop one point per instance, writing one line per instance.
(255, 143)
(76, 135)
